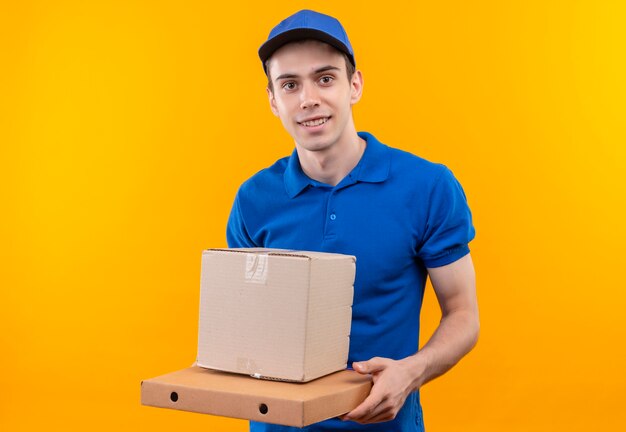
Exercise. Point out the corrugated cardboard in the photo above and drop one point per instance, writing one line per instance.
(275, 314)
(231, 395)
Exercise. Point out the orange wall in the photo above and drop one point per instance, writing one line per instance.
(127, 126)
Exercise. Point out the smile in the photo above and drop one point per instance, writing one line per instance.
(315, 122)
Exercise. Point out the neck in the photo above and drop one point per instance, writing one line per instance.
(332, 164)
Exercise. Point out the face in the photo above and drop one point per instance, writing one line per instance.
(312, 94)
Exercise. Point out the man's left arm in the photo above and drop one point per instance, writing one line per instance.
(456, 335)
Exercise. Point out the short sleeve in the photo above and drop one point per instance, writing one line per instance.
(236, 233)
(449, 227)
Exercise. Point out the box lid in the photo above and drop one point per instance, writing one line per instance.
(280, 252)
(231, 395)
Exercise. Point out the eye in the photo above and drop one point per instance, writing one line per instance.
(289, 85)
(326, 79)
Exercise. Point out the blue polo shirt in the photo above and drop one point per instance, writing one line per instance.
(397, 213)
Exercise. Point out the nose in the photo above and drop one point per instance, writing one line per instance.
(309, 97)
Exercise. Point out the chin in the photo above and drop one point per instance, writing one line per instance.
(315, 146)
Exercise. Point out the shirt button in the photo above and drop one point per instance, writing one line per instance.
(333, 216)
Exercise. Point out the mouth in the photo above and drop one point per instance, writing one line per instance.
(314, 122)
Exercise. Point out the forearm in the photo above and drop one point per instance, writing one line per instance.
(457, 333)
(455, 336)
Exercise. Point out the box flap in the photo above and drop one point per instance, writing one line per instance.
(279, 252)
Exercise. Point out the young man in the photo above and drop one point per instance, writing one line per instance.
(343, 191)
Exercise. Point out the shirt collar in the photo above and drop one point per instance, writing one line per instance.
(375, 162)
(372, 168)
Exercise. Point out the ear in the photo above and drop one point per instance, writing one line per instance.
(356, 87)
(273, 107)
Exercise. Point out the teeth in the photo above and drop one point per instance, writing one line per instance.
(316, 122)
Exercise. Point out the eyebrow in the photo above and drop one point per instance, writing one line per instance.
(315, 72)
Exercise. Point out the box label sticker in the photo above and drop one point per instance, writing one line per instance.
(256, 268)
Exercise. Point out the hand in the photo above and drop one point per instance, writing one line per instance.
(393, 381)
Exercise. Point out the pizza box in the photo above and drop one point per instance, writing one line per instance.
(234, 395)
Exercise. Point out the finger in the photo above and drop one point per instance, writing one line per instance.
(374, 364)
(379, 415)
(381, 410)
(364, 409)
(383, 416)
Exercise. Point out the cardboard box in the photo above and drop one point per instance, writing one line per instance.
(231, 395)
(275, 314)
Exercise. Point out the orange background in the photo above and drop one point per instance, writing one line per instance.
(127, 126)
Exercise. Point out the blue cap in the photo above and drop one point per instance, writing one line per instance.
(307, 24)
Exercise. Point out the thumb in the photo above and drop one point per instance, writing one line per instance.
(374, 364)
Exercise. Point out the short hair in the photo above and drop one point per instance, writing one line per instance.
(350, 68)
